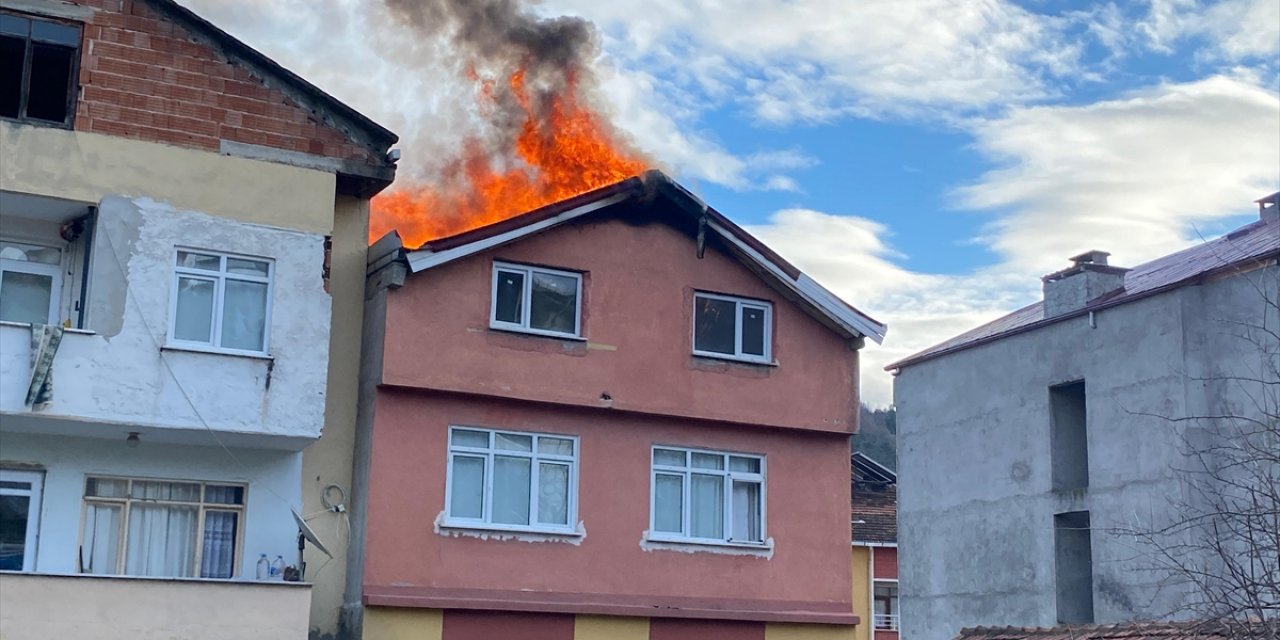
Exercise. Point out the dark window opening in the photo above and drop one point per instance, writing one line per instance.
(37, 69)
(1069, 441)
(1073, 564)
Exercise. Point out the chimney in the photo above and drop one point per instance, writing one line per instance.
(1269, 207)
(1076, 286)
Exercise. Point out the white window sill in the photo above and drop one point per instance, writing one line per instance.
(536, 332)
(194, 348)
(652, 541)
(734, 359)
(500, 529)
(27, 325)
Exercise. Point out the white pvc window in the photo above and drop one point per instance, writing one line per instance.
(162, 528)
(30, 283)
(707, 497)
(511, 480)
(221, 302)
(734, 328)
(19, 518)
(536, 300)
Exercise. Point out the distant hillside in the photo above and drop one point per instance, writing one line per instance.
(878, 436)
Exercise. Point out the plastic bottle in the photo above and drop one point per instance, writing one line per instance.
(277, 568)
(264, 567)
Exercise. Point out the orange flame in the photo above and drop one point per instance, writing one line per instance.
(568, 151)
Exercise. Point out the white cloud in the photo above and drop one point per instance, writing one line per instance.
(1233, 30)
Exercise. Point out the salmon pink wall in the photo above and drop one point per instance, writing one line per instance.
(638, 301)
(807, 491)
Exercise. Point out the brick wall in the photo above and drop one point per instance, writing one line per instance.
(144, 77)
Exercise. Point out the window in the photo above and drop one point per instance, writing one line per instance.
(885, 603)
(727, 327)
(162, 528)
(510, 480)
(221, 301)
(536, 300)
(37, 69)
(1068, 436)
(19, 519)
(707, 496)
(30, 283)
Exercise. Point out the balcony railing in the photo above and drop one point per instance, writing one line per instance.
(885, 621)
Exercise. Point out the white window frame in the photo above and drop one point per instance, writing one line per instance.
(486, 520)
(656, 469)
(34, 506)
(39, 269)
(737, 354)
(219, 278)
(122, 533)
(527, 300)
(885, 621)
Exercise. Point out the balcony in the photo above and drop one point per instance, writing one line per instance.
(36, 606)
(885, 621)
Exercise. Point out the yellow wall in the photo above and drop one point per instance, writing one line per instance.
(86, 166)
(610, 628)
(780, 631)
(328, 460)
(403, 624)
(862, 591)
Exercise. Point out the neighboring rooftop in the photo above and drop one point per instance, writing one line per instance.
(1245, 248)
(873, 508)
(1123, 631)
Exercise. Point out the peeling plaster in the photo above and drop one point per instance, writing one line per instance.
(575, 539)
(764, 551)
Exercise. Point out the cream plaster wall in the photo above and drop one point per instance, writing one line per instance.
(86, 167)
(38, 607)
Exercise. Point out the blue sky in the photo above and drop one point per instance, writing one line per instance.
(927, 160)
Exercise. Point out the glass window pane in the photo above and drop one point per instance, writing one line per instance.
(708, 461)
(509, 299)
(13, 25)
(223, 494)
(554, 306)
(244, 315)
(50, 82)
(511, 490)
(740, 463)
(161, 490)
(14, 511)
(194, 320)
(753, 330)
(713, 325)
(553, 493)
(706, 506)
(101, 547)
(107, 487)
(668, 503)
(218, 555)
(52, 32)
(25, 297)
(161, 540)
(29, 253)
(470, 438)
(192, 260)
(248, 267)
(746, 512)
(668, 457)
(466, 488)
(13, 52)
(555, 446)
(512, 442)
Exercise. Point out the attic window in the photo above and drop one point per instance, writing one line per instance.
(37, 69)
(733, 328)
(536, 300)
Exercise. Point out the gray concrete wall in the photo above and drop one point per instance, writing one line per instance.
(976, 503)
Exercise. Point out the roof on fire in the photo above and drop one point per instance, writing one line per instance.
(644, 191)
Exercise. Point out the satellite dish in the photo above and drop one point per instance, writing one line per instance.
(305, 531)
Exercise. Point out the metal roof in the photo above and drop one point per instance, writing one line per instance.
(1254, 243)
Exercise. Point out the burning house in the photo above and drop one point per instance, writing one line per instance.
(618, 416)
(183, 229)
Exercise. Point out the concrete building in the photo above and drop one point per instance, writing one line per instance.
(182, 240)
(1027, 445)
(873, 522)
(617, 417)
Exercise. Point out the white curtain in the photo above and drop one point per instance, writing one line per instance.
(100, 550)
(219, 556)
(161, 540)
(668, 503)
(706, 506)
(244, 314)
(466, 499)
(194, 320)
(553, 493)
(511, 490)
(746, 511)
